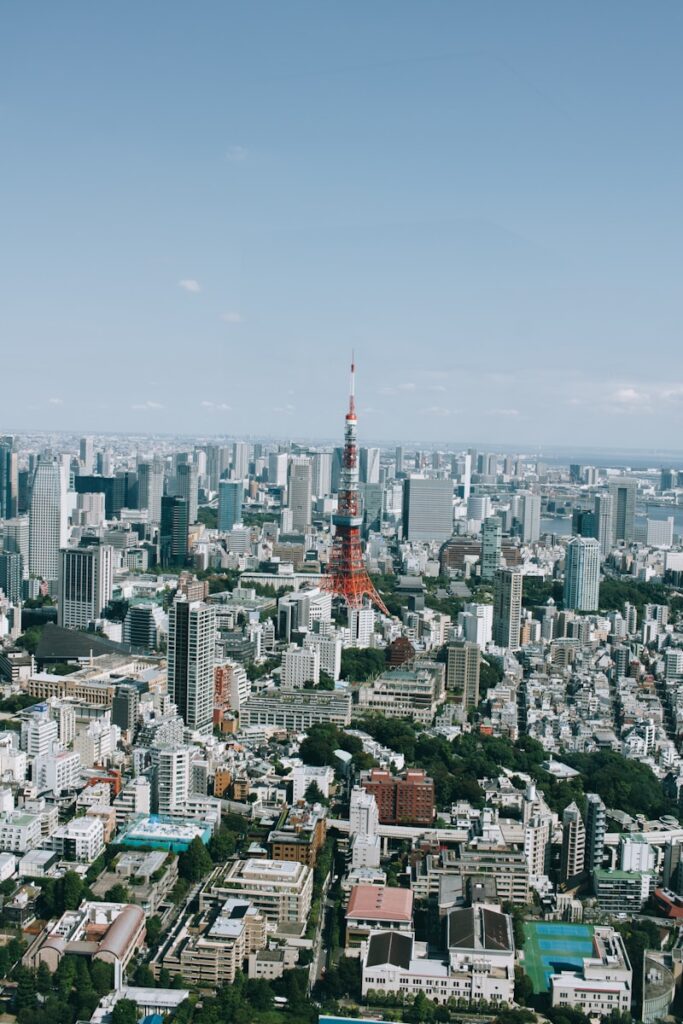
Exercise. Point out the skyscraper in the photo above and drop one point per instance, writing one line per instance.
(47, 519)
(322, 474)
(427, 509)
(277, 469)
(398, 455)
(86, 576)
(151, 487)
(530, 513)
(240, 460)
(369, 465)
(12, 576)
(9, 478)
(173, 532)
(603, 523)
(491, 547)
(623, 493)
(230, 498)
(582, 574)
(300, 487)
(191, 642)
(462, 672)
(507, 607)
(186, 487)
(596, 826)
(16, 539)
(573, 843)
(87, 454)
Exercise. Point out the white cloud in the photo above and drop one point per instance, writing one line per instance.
(435, 387)
(409, 386)
(149, 405)
(189, 284)
(55, 401)
(629, 400)
(435, 410)
(232, 317)
(236, 154)
(218, 406)
(288, 409)
(503, 412)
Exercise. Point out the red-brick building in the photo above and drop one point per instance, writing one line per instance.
(401, 800)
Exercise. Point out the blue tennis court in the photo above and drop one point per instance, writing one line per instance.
(550, 947)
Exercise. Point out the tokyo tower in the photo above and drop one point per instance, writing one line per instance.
(347, 576)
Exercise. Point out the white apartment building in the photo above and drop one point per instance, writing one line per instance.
(303, 775)
(81, 839)
(172, 778)
(476, 621)
(134, 799)
(96, 743)
(361, 626)
(57, 771)
(13, 762)
(38, 734)
(300, 665)
(329, 649)
(281, 890)
(20, 832)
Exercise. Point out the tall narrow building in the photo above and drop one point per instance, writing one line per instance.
(603, 523)
(9, 478)
(507, 608)
(230, 498)
(151, 487)
(187, 484)
(623, 493)
(300, 490)
(48, 522)
(491, 547)
(240, 460)
(582, 574)
(191, 656)
(573, 843)
(173, 533)
(596, 826)
(462, 672)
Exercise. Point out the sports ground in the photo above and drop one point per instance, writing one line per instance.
(551, 946)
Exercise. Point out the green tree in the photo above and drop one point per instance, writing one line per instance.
(222, 845)
(195, 862)
(25, 996)
(71, 890)
(117, 894)
(314, 794)
(153, 931)
(125, 1012)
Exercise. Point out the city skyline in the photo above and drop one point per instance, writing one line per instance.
(497, 235)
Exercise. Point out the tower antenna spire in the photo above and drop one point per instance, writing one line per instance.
(347, 576)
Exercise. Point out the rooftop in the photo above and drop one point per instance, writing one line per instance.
(379, 903)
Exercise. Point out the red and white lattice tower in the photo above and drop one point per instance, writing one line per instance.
(347, 576)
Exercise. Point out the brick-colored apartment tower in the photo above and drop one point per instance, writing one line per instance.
(401, 800)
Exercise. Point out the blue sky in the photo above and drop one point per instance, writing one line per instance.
(204, 207)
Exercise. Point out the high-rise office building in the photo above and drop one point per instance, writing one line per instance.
(583, 522)
(277, 469)
(507, 608)
(300, 488)
(603, 523)
(16, 539)
(87, 454)
(462, 672)
(86, 577)
(230, 498)
(398, 456)
(596, 826)
(12, 576)
(668, 479)
(240, 460)
(573, 843)
(623, 493)
(369, 465)
(47, 519)
(173, 532)
(337, 466)
(491, 547)
(9, 478)
(371, 496)
(187, 487)
(582, 574)
(530, 513)
(427, 509)
(191, 644)
(322, 474)
(151, 487)
(124, 707)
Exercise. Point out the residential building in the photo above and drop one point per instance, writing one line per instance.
(401, 800)
(596, 826)
(173, 532)
(621, 892)
(573, 843)
(296, 710)
(603, 523)
(582, 574)
(299, 838)
(81, 839)
(462, 673)
(491, 547)
(300, 665)
(507, 608)
(191, 648)
(530, 518)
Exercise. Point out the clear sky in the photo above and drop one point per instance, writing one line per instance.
(204, 206)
